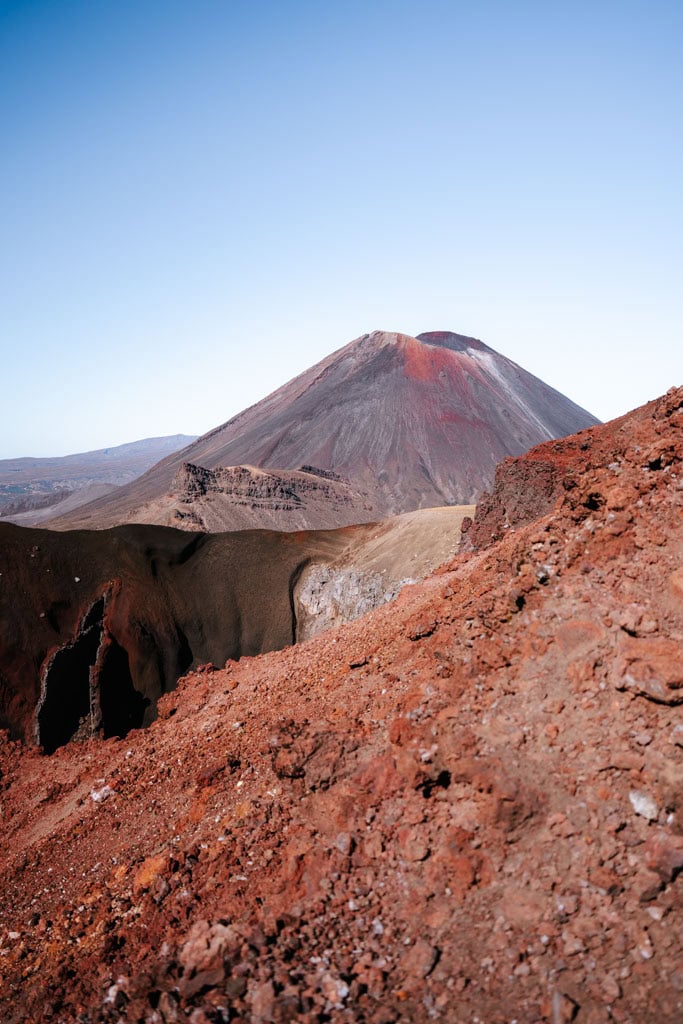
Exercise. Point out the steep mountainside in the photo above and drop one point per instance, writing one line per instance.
(413, 422)
(466, 806)
(529, 487)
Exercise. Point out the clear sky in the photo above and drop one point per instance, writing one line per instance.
(201, 198)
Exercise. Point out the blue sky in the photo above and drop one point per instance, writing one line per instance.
(200, 199)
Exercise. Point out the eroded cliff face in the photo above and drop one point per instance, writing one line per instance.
(243, 497)
(96, 626)
(86, 687)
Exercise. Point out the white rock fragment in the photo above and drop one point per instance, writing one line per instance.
(334, 989)
(98, 795)
(644, 805)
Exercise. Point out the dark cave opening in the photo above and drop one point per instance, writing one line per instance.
(88, 684)
(122, 706)
(66, 701)
(184, 655)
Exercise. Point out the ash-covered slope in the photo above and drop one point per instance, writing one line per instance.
(413, 422)
(466, 806)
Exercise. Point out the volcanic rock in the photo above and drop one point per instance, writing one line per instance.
(529, 487)
(244, 497)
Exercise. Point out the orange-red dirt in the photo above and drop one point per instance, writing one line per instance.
(465, 807)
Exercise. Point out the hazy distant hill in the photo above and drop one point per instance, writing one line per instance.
(29, 485)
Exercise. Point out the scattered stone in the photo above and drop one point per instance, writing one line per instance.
(202, 956)
(424, 629)
(262, 1003)
(651, 668)
(420, 959)
(98, 796)
(148, 872)
(644, 805)
(334, 990)
(663, 854)
(564, 1008)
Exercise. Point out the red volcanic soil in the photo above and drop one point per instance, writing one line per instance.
(527, 488)
(410, 422)
(465, 807)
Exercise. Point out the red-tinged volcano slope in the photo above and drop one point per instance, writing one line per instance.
(413, 422)
(465, 807)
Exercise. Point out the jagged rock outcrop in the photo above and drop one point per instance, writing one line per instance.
(243, 497)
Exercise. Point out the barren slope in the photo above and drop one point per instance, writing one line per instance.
(464, 807)
(413, 422)
(40, 513)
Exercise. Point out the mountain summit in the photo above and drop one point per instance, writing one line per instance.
(413, 421)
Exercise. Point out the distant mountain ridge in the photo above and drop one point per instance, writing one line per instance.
(31, 487)
(413, 422)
